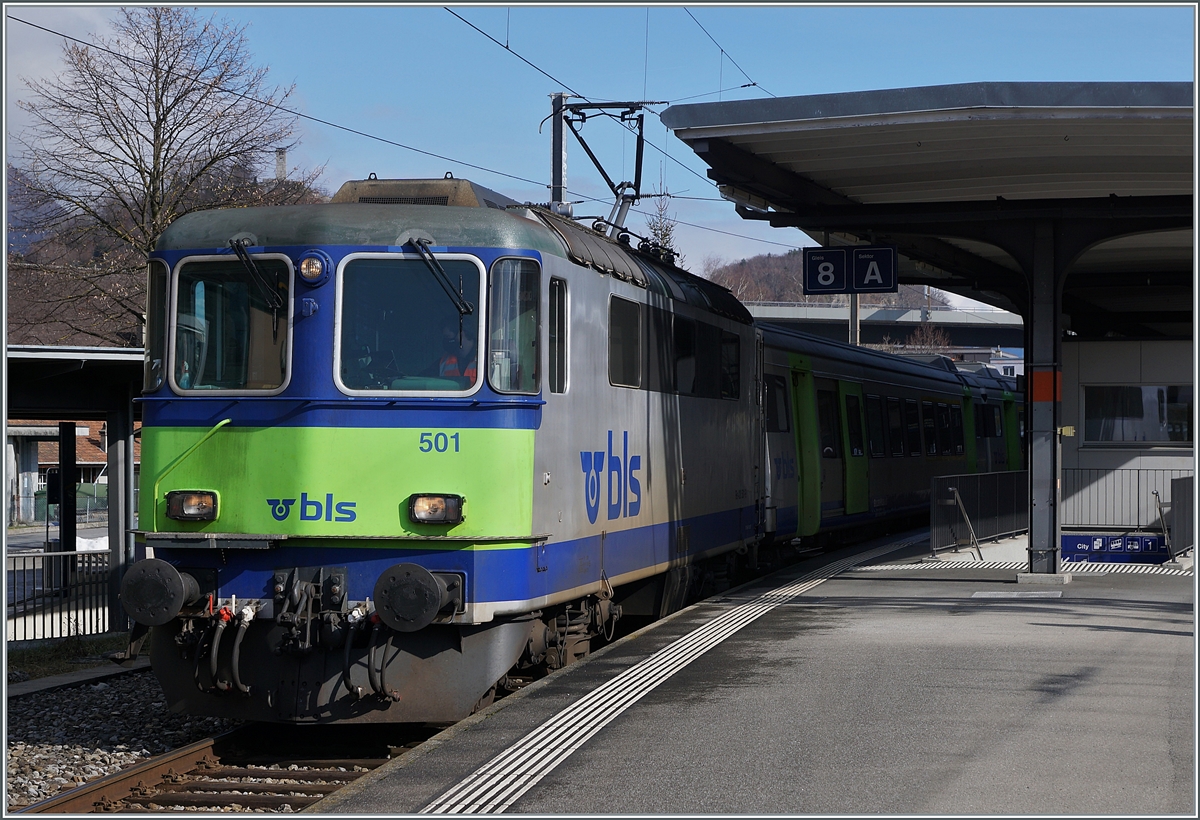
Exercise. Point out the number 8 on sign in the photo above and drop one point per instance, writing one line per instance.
(825, 271)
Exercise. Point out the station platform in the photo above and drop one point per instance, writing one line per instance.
(879, 683)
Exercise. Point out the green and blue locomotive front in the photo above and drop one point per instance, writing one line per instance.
(341, 490)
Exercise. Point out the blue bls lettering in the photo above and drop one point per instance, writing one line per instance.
(624, 487)
(313, 510)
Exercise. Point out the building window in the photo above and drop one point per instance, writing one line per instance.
(1160, 414)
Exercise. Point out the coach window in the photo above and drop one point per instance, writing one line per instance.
(854, 425)
(156, 325)
(912, 420)
(513, 326)
(558, 335)
(731, 352)
(956, 429)
(996, 429)
(231, 327)
(943, 428)
(776, 404)
(624, 342)
(685, 355)
(875, 434)
(931, 445)
(895, 426)
(827, 419)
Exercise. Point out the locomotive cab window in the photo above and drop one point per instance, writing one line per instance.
(231, 326)
(624, 342)
(156, 325)
(399, 330)
(731, 351)
(513, 326)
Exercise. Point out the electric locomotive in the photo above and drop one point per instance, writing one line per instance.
(401, 443)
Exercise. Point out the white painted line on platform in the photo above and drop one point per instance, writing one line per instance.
(1081, 567)
(1046, 594)
(500, 782)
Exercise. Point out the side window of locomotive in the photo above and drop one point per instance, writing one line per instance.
(997, 427)
(777, 420)
(931, 445)
(854, 425)
(981, 419)
(943, 429)
(624, 342)
(912, 419)
(731, 351)
(513, 326)
(231, 328)
(660, 357)
(156, 326)
(684, 337)
(401, 331)
(895, 426)
(875, 434)
(956, 429)
(827, 419)
(558, 335)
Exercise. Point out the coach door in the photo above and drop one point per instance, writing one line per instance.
(829, 428)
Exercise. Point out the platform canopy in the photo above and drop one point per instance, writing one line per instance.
(957, 176)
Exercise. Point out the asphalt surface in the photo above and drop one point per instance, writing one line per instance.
(920, 690)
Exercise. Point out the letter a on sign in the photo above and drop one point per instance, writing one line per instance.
(874, 269)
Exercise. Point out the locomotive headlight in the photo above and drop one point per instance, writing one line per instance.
(192, 505)
(314, 267)
(436, 509)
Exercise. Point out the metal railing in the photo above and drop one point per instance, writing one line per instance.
(56, 594)
(1116, 499)
(966, 509)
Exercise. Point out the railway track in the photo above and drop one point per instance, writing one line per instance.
(253, 768)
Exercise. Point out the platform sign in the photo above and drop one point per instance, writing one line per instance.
(825, 270)
(863, 269)
(1113, 548)
(874, 270)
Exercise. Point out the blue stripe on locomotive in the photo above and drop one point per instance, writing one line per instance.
(493, 575)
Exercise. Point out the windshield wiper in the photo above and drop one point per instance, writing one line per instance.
(464, 307)
(269, 294)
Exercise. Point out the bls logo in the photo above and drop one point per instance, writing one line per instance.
(624, 489)
(313, 510)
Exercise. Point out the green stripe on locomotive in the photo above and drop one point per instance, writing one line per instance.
(368, 473)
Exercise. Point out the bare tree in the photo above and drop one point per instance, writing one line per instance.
(167, 116)
(927, 338)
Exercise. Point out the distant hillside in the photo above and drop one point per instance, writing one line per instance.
(778, 278)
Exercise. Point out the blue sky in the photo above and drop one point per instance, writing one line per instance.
(420, 76)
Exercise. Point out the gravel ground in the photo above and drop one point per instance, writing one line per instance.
(60, 739)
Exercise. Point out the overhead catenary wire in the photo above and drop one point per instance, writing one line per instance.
(727, 54)
(396, 144)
